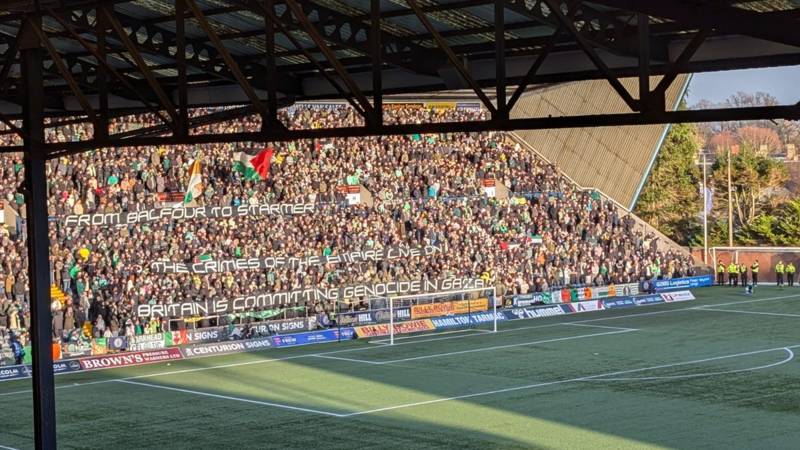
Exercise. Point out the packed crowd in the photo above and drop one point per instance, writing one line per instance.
(426, 190)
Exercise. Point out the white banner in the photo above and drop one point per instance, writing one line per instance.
(271, 262)
(262, 301)
(205, 212)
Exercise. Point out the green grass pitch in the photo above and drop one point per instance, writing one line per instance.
(718, 372)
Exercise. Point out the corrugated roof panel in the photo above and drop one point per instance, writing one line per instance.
(768, 5)
(146, 9)
(614, 160)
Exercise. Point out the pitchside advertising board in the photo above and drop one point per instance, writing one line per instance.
(372, 317)
(130, 359)
(465, 320)
(685, 283)
(575, 294)
(314, 337)
(412, 326)
(221, 348)
(13, 372)
(538, 312)
(604, 292)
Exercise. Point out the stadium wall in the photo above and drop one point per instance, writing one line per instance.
(767, 258)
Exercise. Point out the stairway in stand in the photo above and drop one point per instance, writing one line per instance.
(57, 294)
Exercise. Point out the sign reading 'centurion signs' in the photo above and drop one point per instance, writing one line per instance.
(272, 299)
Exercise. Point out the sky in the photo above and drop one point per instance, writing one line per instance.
(781, 82)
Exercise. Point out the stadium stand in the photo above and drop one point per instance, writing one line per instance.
(423, 190)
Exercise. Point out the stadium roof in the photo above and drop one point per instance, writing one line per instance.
(222, 52)
(615, 160)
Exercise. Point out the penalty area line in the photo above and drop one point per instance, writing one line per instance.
(575, 324)
(569, 380)
(739, 311)
(500, 347)
(238, 399)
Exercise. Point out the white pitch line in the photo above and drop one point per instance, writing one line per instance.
(339, 358)
(599, 326)
(238, 399)
(499, 347)
(8, 448)
(552, 383)
(756, 300)
(706, 374)
(749, 312)
(399, 338)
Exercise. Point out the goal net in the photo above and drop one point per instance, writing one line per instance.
(388, 319)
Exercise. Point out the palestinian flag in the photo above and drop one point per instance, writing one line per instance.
(195, 188)
(253, 167)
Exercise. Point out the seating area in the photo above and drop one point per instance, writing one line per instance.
(533, 232)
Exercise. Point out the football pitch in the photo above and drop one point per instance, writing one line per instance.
(718, 372)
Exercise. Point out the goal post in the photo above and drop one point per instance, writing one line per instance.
(460, 306)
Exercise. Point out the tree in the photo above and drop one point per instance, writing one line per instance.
(752, 175)
(788, 227)
(754, 138)
(722, 141)
(670, 200)
(780, 229)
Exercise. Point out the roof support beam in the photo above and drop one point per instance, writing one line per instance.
(180, 62)
(500, 59)
(166, 104)
(377, 63)
(271, 14)
(99, 55)
(226, 56)
(5, 82)
(789, 112)
(101, 124)
(680, 64)
(271, 119)
(598, 62)
(716, 15)
(452, 56)
(65, 71)
(643, 26)
(298, 13)
(529, 76)
(9, 61)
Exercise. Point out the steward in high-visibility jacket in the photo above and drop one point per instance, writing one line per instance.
(720, 273)
(790, 270)
(779, 268)
(733, 274)
(743, 274)
(754, 271)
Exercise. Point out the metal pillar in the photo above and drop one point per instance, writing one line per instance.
(44, 405)
(500, 60)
